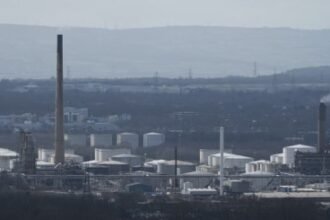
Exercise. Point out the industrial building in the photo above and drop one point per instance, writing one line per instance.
(316, 162)
(153, 139)
(290, 151)
(113, 166)
(261, 181)
(128, 139)
(5, 158)
(312, 163)
(101, 140)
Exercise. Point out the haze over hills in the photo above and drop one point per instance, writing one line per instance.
(29, 51)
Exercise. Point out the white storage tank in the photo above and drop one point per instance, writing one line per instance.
(105, 154)
(128, 139)
(230, 160)
(45, 154)
(264, 182)
(289, 153)
(250, 168)
(198, 179)
(130, 159)
(205, 153)
(277, 158)
(263, 166)
(153, 139)
(75, 139)
(101, 140)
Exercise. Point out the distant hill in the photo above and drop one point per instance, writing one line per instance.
(29, 51)
(302, 75)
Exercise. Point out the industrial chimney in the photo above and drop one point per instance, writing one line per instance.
(322, 127)
(59, 127)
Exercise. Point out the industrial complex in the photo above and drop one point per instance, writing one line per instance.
(117, 165)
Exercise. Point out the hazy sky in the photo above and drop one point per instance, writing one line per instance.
(310, 14)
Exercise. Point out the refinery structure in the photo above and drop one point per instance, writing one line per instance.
(116, 164)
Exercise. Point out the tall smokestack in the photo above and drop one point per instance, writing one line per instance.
(322, 127)
(59, 127)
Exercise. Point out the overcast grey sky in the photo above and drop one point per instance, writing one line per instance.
(308, 14)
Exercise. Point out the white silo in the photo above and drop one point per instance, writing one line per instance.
(289, 153)
(128, 139)
(101, 140)
(45, 154)
(205, 153)
(153, 139)
(106, 154)
(259, 166)
(250, 168)
(277, 158)
(230, 160)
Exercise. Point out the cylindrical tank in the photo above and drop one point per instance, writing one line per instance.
(96, 154)
(279, 159)
(106, 154)
(215, 161)
(290, 152)
(205, 153)
(288, 155)
(153, 139)
(128, 139)
(13, 163)
(45, 154)
(101, 140)
(250, 168)
(276, 158)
